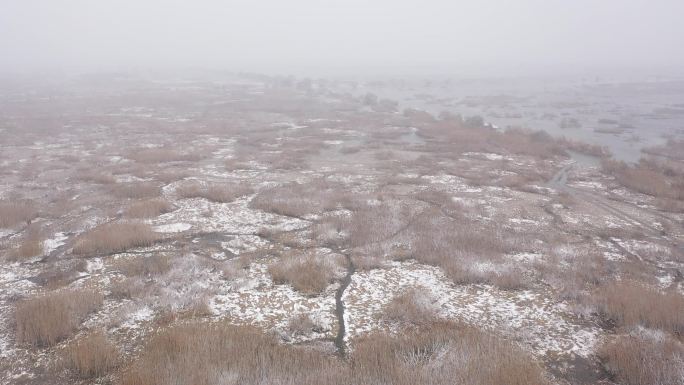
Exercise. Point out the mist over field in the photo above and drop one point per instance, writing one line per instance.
(313, 37)
(317, 192)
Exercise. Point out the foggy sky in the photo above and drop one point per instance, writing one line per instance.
(282, 36)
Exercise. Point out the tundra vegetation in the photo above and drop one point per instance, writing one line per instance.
(268, 230)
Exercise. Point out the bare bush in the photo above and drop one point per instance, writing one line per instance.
(629, 303)
(412, 307)
(300, 325)
(15, 212)
(90, 356)
(47, 319)
(215, 192)
(115, 237)
(636, 360)
(149, 208)
(308, 274)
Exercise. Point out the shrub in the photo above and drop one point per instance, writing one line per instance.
(215, 192)
(308, 274)
(47, 319)
(629, 303)
(300, 325)
(15, 212)
(148, 208)
(90, 356)
(411, 307)
(636, 360)
(115, 237)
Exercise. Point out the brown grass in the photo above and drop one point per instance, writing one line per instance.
(300, 325)
(126, 288)
(153, 265)
(115, 237)
(15, 212)
(648, 177)
(629, 303)
(136, 190)
(636, 360)
(90, 356)
(308, 274)
(219, 353)
(161, 155)
(443, 353)
(47, 319)
(31, 245)
(148, 208)
(215, 192)
(96, 177)
(412, 307)
(454, 245)
(299, 200)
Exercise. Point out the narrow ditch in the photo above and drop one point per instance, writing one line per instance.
(339, 308)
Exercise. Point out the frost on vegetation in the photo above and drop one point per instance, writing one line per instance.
(50, 245)
(172, 228)
(531, 318)
(233, 218)
(255, 299)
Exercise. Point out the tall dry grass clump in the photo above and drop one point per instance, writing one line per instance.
(115, 237)
(629, 303)
(31, 245)
(97, 177)
(300, 199)
(162, 155)
(153, 265)
(636, 360)
(49, 318)
(136, 190)
(455, 245)
(441, 354)
(15, 212)
(148, 208)
(648, 177)
(90, 356)
(214, 192)
(220, 353)
(411, 307)
(308, 274)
